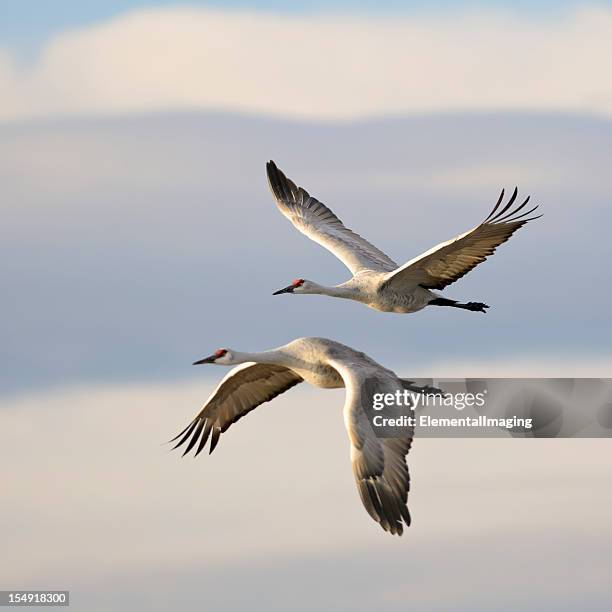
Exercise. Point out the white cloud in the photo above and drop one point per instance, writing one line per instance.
(329, 67)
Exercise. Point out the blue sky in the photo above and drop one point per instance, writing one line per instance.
(149, 237)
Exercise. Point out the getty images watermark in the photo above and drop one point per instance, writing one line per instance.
(458, 401)
(499, 407)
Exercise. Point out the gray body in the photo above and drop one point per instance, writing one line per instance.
(369, 288)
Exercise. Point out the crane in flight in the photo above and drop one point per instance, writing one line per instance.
(379, 464)
(378, 282)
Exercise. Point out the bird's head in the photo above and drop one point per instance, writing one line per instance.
(299, 285)
(221, 356)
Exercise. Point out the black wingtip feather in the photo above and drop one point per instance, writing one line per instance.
(506, 207)
(195, 436)
(499, 201)
(275, 178)
(204, 439)
(509, 215)
(187, 432)
(282, 187)
(214, 440)
(406, 514)
(532, 218)
(500, 219)
(180, 433)
(271, 170)
(523, 215)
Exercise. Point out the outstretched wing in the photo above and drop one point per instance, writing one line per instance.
(449, 261)
(320, 224)
(242, 390)
(379, 464)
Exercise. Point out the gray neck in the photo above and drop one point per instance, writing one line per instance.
(339, 291)
(274, 357)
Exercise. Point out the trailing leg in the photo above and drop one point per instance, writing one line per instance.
(473, 306)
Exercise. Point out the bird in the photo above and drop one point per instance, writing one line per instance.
(379, 464)
(379, 282)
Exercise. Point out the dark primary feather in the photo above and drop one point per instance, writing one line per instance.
(319, 223)
(384, 489)
(450, 261)
(239, 393)
(379, 463)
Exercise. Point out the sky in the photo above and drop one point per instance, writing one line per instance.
(27, 23)
(138, 234)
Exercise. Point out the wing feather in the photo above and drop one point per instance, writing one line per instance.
(320, 224)
(449, 261)
(379, 464)
(243, 389)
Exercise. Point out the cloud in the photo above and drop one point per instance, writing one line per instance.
(94, 503)
(323, 67)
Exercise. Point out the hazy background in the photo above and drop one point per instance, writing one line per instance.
(138, 234)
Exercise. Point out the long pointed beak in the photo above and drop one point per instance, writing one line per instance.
(288, 289)
(210, 359)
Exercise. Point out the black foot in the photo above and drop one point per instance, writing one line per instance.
(473, 306)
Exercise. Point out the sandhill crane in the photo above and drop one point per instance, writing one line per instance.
(379, 464)
(378, 281)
